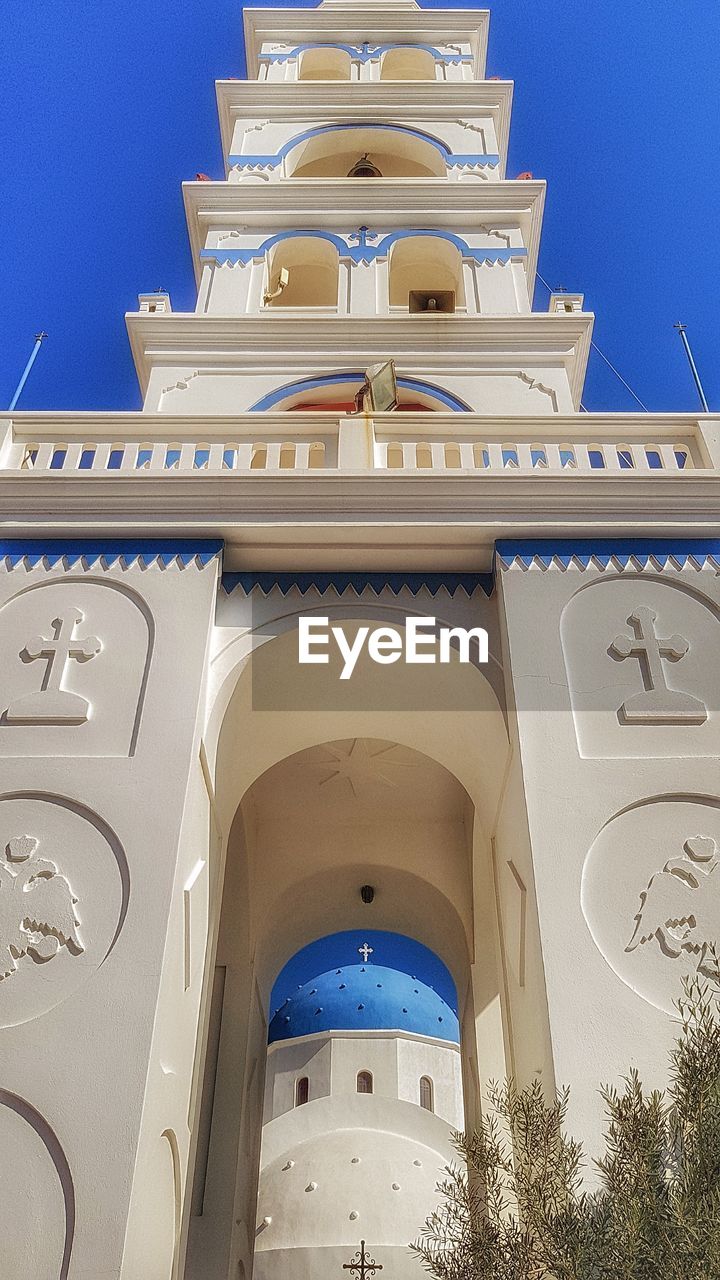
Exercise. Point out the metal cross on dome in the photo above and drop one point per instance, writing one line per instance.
(365, 951)
(362, 1265)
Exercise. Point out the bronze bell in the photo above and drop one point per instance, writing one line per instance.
(364, 168)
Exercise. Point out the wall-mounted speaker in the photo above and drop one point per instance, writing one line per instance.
(436, 302)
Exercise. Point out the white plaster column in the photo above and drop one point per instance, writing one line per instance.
(254, 302)
(363, 289)
(95, 779)
(206, 279)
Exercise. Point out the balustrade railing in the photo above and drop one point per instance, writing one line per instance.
(521, 456)
(157, 445)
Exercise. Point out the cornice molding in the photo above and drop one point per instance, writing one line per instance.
(94, 553)
(587, 425)
(391, 101)
(237, 342)
(358, 584)
(355, 25)
(638, 555)
(329, 203)
(409, 522)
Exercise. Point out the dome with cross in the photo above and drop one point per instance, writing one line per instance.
(364, 997)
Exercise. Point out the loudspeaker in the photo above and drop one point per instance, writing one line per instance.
(438, 302)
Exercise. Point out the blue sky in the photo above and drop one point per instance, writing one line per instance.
(105, 108)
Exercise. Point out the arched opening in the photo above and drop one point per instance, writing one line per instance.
(323, 63)
(394, 151)
(367, 1011)
(302, 1091)
(312, 817)
(364, 1082)
(407, 63)
(426, 1093)
(335, 392)
(425, 264)
(302, 271)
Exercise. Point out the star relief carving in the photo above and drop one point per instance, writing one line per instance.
(359, 766)
(37, 908)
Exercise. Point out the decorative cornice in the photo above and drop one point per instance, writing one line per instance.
(358, 583)
(273, 159)
(330, 203)
(127, 553)
(378, 519)
(435, 102)
(365, 52)
(364, 251)
(620, 553)
(355, 25)
(235, 342)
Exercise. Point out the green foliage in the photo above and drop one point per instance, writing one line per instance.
(515, 1208)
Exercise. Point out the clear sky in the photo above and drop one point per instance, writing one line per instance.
(105, 108)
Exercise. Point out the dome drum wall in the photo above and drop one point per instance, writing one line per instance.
(396, 1061)
(342, 1169)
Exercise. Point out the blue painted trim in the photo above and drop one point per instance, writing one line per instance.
(272, 160)
(367, 54)
(145, 550)
(359, 582)
(480, 255)
(364, 252)
(605, 549)
(354, 376)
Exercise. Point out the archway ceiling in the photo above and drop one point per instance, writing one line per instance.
(357, 778)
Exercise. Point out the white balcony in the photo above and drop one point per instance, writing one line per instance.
(100, 446)
(430, 491)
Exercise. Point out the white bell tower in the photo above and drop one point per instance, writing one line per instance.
(361, 421)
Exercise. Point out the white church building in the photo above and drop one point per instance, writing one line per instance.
(216, 1060)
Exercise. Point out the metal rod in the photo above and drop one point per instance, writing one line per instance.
(682, 330)
(39, 339)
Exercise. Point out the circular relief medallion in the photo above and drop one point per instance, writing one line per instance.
(651, 894)
(63, 889)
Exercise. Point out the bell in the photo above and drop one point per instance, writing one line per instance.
(364, 168)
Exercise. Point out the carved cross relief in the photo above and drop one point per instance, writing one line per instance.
(51, 703)
(658, 703)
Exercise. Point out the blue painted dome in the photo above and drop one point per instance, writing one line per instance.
(364, 998)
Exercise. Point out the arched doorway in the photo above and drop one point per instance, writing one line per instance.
(319, 803)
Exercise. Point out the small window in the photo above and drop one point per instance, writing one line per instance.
(302, 1091)
(426, 1093)
(364, 1082)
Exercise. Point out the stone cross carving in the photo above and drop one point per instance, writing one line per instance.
(51, 703)
(365, 951)
(362, 1265)
(657, 704)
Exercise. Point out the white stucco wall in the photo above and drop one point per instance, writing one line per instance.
(332, 1060)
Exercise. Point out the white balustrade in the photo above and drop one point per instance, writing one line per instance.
(410, 443)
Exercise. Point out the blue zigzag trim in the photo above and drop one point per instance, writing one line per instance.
(564, 550)
(359, 582)
(146, 551)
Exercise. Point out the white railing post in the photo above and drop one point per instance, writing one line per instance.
(356, 443)
(708, 440)
(10, 450)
